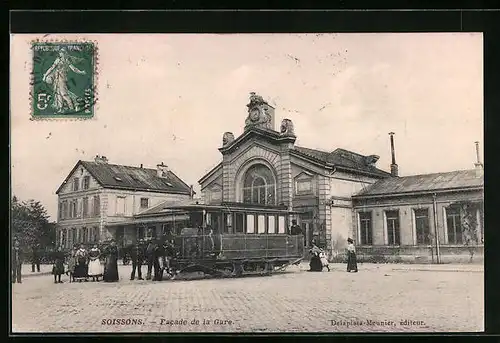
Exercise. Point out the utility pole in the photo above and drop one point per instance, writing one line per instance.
(436, 233)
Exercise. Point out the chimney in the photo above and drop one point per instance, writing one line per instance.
(191, 188)
(394, 166)
(161, 170)
(141, 165)
(478, 164)
(100, 159)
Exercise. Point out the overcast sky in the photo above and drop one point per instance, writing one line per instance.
(169, 98)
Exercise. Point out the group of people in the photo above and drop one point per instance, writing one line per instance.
(319, 260)
(157, 255)
(83, 264)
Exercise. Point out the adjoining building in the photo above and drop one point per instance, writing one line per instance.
(98, 200)
(432, 217)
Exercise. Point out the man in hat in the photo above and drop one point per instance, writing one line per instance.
(137, 257)
(295, 229)
(16, 261)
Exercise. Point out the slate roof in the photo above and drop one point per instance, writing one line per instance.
(341, 158)
(459, 179)
(116, 176)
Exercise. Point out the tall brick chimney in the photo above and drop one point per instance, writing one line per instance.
(394, 166)
(478, 164)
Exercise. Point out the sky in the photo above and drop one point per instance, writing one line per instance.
(170, 97)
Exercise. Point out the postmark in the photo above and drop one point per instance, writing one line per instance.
(63, 79)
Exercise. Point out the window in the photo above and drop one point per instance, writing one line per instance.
(144, 203)
(152, 232)
(85, 232)
(166, 229)
(365, 223)
(74, 209)
(250, 223)
(239, 222)
(281, 224)
(65, 210)
(97, 206)
(85, 205)
(86, 182)
(64, 237)
(392, 218)
(261, 224)
(303, 186)
(120, 205)
(60, 210)
(95, 234)
(271, 224)
(140, 232)
(422, 227)
(228, 223)
(73, 236)
(454, 225)
(76, 183)
(259, 186)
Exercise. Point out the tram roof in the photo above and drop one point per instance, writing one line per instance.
(230, 207)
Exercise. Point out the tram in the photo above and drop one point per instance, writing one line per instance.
(234, 240)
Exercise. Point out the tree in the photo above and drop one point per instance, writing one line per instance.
(469, 225)
(30, 224)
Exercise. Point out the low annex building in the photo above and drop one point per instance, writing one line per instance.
(98, 200)
(436, 217)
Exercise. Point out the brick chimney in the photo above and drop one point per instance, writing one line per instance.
(478, 165)
(100, 159)
(394, 166)
(162, 170)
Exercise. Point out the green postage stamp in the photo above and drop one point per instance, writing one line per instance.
(63, 80)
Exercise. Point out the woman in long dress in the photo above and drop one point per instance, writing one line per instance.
(95, 267)
(111, 267)
(315, 264)
(352, 265)
(81, 267)
(58, 267)
(57, 77)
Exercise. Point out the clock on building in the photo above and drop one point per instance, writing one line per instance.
(254, 114)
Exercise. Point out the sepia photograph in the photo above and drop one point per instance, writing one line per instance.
(246, 183)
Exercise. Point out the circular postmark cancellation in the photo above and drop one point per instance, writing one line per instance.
(63, 79)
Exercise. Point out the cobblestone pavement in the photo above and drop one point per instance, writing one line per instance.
(295, 301)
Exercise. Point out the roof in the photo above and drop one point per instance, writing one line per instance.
(167, 206)
(460, 179)
(116, 176)
(342, 158)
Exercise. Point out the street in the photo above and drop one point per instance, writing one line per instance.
(380, 298)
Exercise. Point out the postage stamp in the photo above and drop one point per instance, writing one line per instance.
(63, 80)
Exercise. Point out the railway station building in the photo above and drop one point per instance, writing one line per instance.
(263, 166)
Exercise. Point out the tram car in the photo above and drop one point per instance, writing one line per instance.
(234, 240)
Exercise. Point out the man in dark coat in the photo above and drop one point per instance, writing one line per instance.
(152, 257)
(137, 256)
(35, 258)
(16, 262)
(295, 229)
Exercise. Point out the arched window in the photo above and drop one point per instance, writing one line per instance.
(259, 186)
